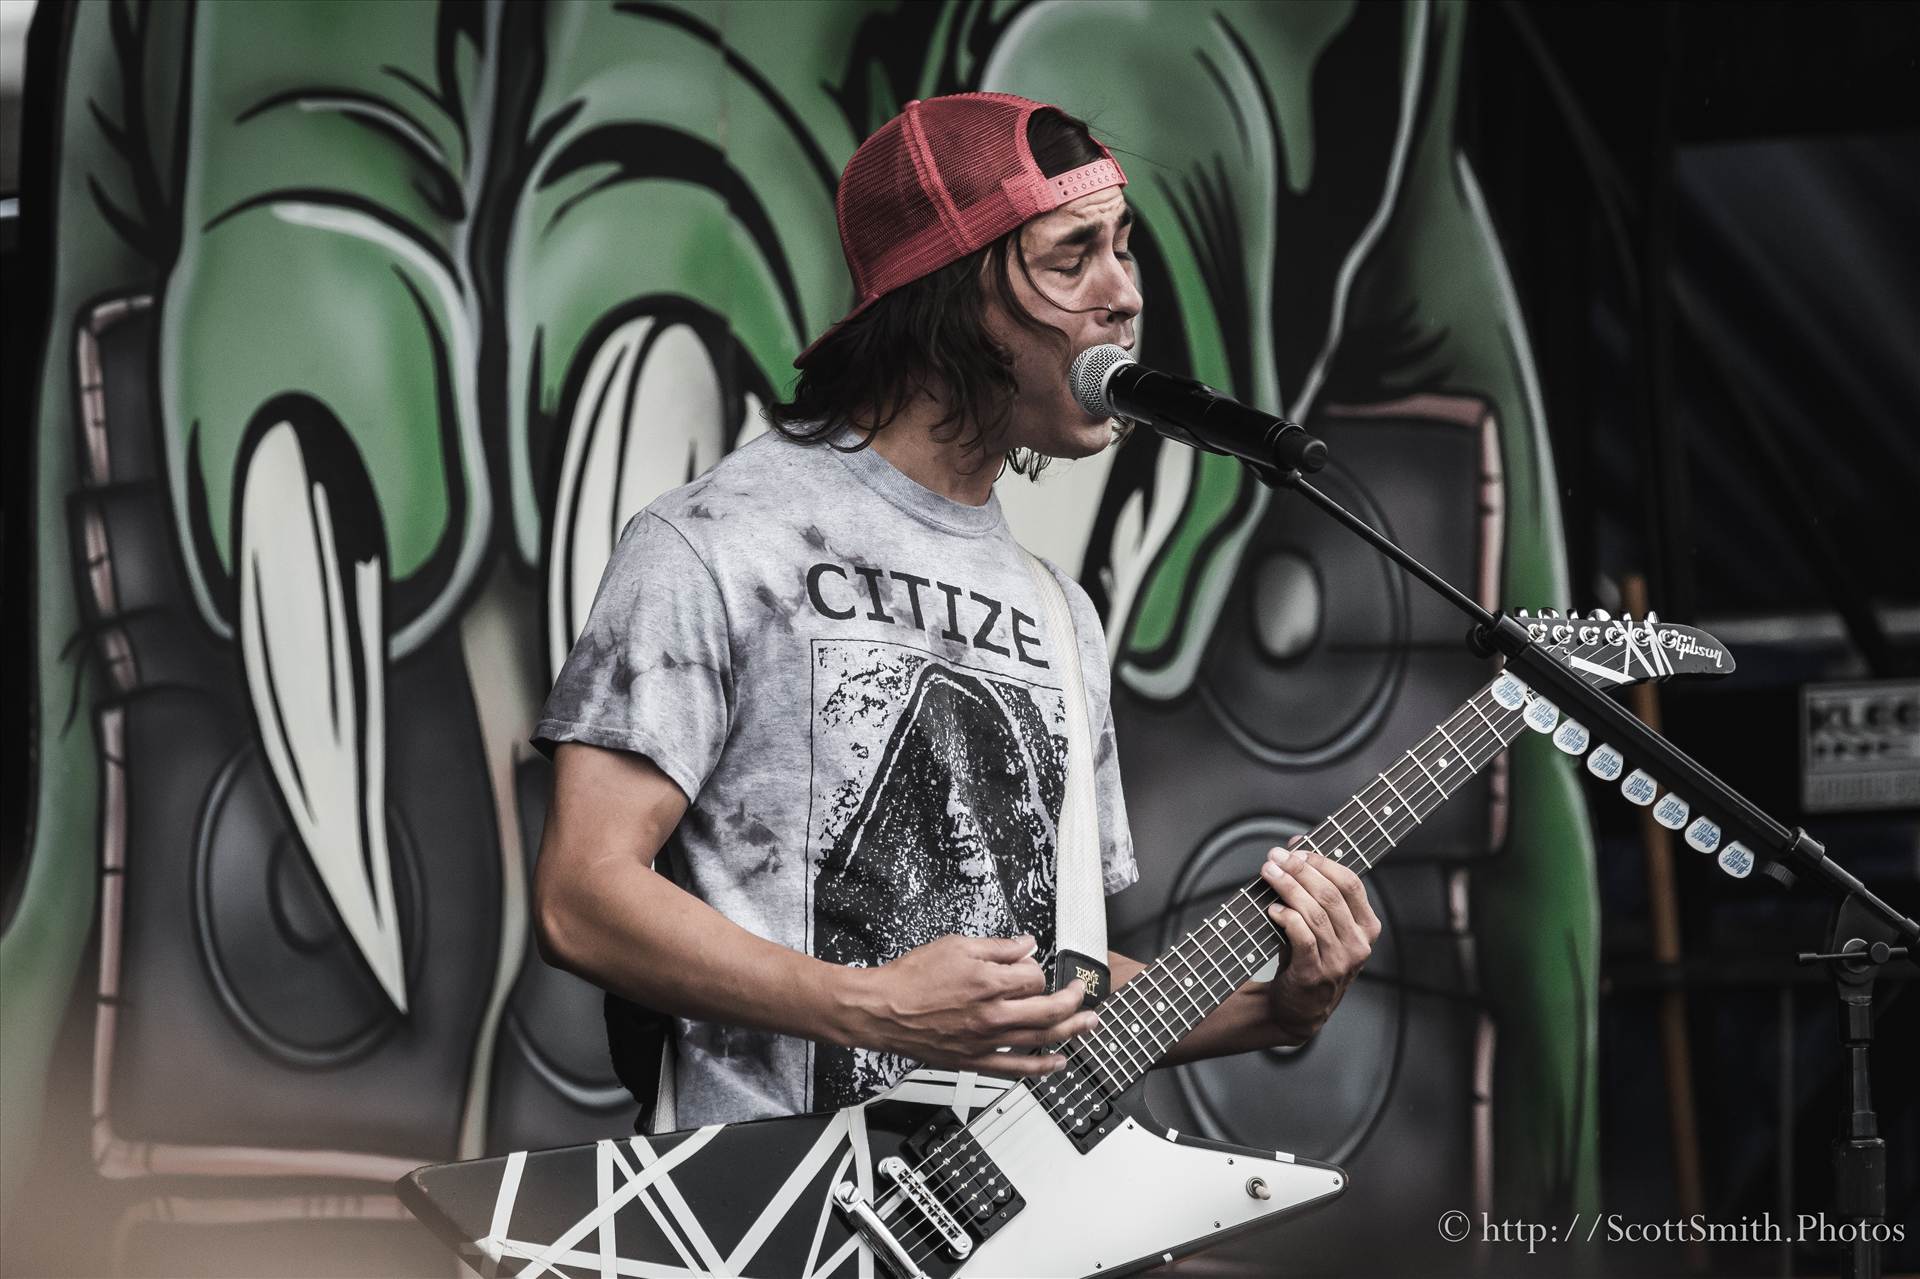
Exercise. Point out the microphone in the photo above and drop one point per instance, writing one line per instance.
(1110, 383)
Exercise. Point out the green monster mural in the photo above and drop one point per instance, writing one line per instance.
(371, 324)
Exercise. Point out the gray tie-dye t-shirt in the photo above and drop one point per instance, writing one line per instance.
(848, 675)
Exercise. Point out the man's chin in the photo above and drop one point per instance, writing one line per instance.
(1084, 438)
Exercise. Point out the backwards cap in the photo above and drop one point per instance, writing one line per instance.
(944, 178)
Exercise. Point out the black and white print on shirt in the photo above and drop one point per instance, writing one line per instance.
(936, 791)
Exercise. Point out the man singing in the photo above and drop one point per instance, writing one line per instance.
(816, 678)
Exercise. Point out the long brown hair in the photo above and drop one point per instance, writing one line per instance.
(931, 336)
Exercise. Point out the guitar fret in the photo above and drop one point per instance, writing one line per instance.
(1444, 792)
(1492, 748)
(1248, 935)
(1117, 1034)
(1180, 988)
(1192, 976)
(1147, 1016)
(1402, 798)
(1177, 1023)
(1123, 1071)
(1376, 822)
(1103, 1073)
(1161, 1005)
(1262, 934)
(1344, 837)
(1207, 952)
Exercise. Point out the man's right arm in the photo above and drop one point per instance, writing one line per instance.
(602, 912)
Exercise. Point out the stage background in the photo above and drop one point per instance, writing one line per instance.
(344, 339)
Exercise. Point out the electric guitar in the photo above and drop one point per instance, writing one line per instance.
(954, 1174)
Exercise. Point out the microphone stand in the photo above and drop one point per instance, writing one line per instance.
(1865, 927)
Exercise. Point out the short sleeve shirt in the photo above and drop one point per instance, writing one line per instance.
(848, 675)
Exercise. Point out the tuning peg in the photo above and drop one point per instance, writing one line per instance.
(1606, 762)
(1651, 617)
(1600, 615)
(1550, 612)
(1737, 860)
(1671, 811)
(1521, 612)
(1572, 737)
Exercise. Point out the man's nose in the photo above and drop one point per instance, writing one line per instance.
(1123, 299)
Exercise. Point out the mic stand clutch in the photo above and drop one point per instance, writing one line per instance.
(1864, 919)
(1859, 1151)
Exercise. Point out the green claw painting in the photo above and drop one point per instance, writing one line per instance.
(371, 324)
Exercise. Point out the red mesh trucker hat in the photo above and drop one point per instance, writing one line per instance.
(945, 178)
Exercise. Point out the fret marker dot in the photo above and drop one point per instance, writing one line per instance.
(1189, 983)
(1386, 808)
(1249, 957)
(1442, 761)
(1136, 1027)
(1160, 1007)
(1337, 854)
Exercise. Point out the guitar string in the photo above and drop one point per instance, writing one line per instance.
(987, 1134)
(1088, 1089)
(1513, 720)
(1509, 716)
(968, 1181)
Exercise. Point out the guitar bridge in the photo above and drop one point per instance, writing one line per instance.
(867, 1225)
(913, 1188)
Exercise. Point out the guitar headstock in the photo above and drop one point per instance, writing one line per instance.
(1617, 652)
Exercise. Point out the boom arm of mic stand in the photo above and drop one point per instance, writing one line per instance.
(1563, 685)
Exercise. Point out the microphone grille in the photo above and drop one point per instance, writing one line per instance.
(1088, 377)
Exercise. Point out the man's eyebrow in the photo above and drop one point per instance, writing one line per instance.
(1087, 232)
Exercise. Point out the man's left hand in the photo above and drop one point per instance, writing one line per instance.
(1324, 912)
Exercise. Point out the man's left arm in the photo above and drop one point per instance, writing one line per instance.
(1330, 925)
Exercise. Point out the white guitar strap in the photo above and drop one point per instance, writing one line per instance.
(1080, 908)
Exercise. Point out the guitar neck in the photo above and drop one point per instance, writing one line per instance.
(1150, 1014)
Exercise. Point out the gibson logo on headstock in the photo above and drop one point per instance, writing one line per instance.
(1688, 646)
(1645, 644)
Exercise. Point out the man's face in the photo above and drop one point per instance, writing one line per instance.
(1082, 283)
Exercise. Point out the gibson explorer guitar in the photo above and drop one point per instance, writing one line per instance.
(949, 1174)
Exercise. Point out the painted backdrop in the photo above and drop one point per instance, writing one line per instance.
(370, 326)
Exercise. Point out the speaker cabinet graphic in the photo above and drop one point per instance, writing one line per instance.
(238, 1033)
(1323, 666)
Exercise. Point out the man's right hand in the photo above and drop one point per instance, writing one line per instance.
(953, 1001)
